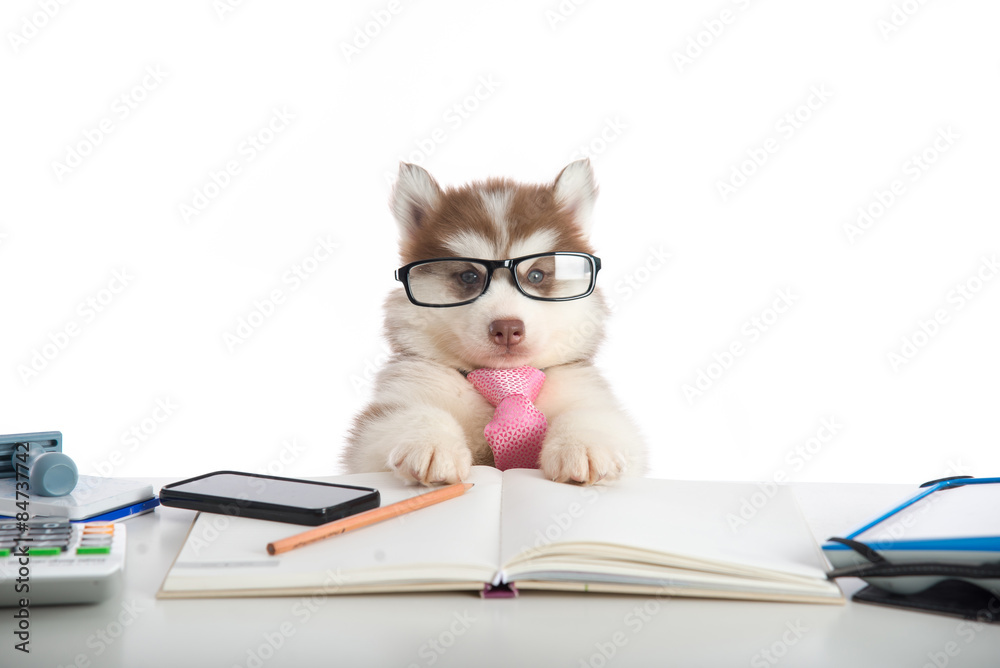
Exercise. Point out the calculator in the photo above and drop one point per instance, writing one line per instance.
(65, 562)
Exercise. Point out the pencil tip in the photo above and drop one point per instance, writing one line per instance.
(270, 548)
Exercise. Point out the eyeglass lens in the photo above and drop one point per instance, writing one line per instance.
(455, 281)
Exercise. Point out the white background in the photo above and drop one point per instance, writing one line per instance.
(538, 85)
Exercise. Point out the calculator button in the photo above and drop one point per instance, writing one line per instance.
(94, 549)
(4, 552)
(48, 532)
(98, 529)
(44, 551)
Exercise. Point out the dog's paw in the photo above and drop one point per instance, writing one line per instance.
(572, 458)
(431, 463)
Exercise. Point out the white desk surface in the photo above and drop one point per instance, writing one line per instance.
(460, 629)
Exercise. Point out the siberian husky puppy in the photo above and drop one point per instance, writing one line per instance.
(426, 420)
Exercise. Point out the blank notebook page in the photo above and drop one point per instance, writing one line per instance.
(688, 519)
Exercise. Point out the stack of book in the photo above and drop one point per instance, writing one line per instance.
(94, 499)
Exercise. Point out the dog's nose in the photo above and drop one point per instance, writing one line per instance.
(507, 332)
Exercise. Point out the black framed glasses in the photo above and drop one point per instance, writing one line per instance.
(453, 281)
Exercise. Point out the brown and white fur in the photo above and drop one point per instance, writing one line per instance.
(426, 420)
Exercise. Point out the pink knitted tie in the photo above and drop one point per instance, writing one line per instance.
(516, 431)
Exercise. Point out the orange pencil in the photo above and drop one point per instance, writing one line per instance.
(368, 517)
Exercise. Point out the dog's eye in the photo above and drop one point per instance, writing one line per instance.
(469, 277)
(535, 276)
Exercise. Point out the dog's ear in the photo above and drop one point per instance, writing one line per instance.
(415, 194)
(576, 191)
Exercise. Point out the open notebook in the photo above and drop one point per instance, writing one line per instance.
(637, 536)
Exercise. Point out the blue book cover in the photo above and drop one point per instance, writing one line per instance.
(956, 515)
(91, 497)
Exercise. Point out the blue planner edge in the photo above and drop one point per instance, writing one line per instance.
(113, 515)
(970, 544)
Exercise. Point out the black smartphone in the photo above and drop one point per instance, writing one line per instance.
(266, 497)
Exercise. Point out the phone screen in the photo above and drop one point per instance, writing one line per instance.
(299, 494)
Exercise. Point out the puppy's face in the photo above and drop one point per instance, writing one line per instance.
(495, 220)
